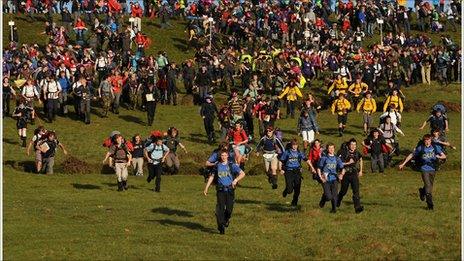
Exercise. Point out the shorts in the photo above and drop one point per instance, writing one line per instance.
(38, 156)
(241, 149)
(21, 124)
(270, 160)
(342, 119)
(367, 119)
(308, 135)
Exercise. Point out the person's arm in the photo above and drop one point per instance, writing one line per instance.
(63, 148)
(129, 158)
(29, 146)
(183, 147)
(350, 89)
(208, 184)
(145, 153)
(399, 130)
(310, 165)
(441, 156)
(240, 176)
(332, 108)
(298, 92)
(406, 160)
(108, 154)
(446, 125)
(283, 93)
(360, 167)
(165, 154)
(400, 102)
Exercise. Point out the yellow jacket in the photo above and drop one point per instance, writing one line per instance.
(358, 88)
(339, 85)
(292, 93)
(393, 100)
(340, 106)
(367, 105)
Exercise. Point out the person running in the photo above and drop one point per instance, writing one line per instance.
(48, 147)
(137, 155)
(439, 140)
(353, 166)
(369, 107)
(339, 86)
(426, 156)
(120, 160)
(291, 166)
(271, 146)
(23, 114)
(341, 107)
(327, 170)
(438, 121)
(172, 141)
(156, 154)
(208, 111)
(291, 92)
(105, 93)
(357, 89)
(388, 131)
(308, 128)
(374, 144)
(239, 140)
(39, 134)
(151, 97)
(393, 99)
(227, 175)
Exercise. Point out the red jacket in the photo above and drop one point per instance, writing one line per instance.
(79, 25)
(136, 11)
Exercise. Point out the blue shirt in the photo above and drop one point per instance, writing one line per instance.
(226, 173)
(156, 152)
(427, 157)
(329, 166)
(292, 159)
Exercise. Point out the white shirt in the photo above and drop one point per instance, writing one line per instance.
(30, 91)
(52, 89)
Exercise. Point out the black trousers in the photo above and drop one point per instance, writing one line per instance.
(209, 127)
(224, 206)
(293, 183)
(249, 122)
(151, 108)
(353, 180)
(52, 110)
(6, 104)
(172, 94)
(85, 109)
(155, 171)
(331, 192)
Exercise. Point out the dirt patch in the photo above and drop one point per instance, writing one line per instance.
(73, 165)
(420, 106)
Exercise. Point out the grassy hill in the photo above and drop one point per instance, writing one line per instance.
(67, 216)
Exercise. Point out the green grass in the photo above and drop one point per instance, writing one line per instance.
(66, 216)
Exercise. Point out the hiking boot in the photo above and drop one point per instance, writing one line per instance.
(124, 185)
(294, 203)
(359, 210)
(421, 194)
(429, 206)
(322, 202)
(120, 186)
(333, 210)
(284, 193)
(274, 186)
(339, 202)
(221, 229)
(227, 223)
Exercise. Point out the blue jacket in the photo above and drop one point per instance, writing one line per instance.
(291, 159)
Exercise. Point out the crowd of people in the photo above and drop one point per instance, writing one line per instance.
(263, 55)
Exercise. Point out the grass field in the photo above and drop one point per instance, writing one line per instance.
(66, 216)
